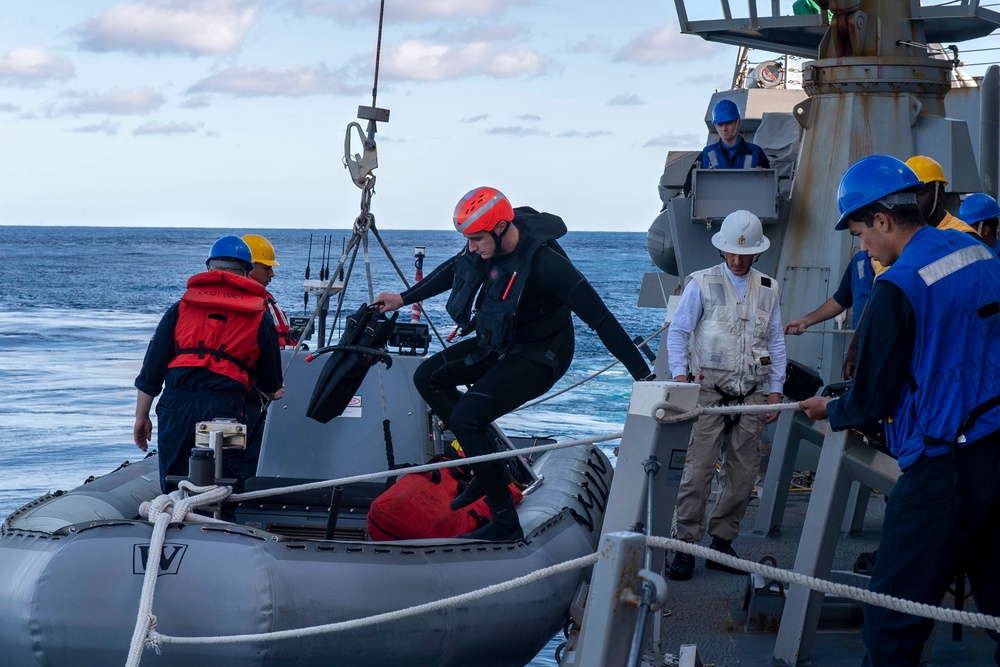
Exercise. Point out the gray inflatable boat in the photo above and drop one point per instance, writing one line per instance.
(73, 562)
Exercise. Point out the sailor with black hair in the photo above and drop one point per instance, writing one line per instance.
(927, 366)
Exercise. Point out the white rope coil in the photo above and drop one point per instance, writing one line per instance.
(162, 511)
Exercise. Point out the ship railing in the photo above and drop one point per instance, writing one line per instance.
(944, 21)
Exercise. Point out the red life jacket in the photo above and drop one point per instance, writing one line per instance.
(281, 324)
(217, 324)
(417, 507)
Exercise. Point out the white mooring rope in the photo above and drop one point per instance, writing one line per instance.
(668, 413)
(162, 511)
(156, 639)
(145, 629)
(399, 472)
(823, 586)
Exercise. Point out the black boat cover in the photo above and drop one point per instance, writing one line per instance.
(361, 346)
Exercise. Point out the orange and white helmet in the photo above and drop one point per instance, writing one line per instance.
(480, 209)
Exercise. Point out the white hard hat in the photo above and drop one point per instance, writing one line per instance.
(741, 234)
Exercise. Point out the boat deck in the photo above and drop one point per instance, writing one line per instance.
(708, 609)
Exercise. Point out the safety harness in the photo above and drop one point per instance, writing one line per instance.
(730, 421)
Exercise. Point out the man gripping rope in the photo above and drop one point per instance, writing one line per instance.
(926, 366)
(726, 336)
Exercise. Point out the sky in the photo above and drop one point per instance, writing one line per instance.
(233, 113)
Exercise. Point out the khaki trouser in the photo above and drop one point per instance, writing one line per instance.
(740, 453)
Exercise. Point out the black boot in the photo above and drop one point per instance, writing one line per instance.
(681, 567)
(503, 527)
(473, 492)
(726, 547)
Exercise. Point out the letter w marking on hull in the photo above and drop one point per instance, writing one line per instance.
(170, 558)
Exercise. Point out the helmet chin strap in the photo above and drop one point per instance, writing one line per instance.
(498, 238)
(755, 257)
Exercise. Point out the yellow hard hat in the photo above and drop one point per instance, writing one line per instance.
(261, 249)
(926, 169)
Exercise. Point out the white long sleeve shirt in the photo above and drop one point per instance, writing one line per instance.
(689, 311)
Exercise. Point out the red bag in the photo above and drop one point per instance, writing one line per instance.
(417, 507)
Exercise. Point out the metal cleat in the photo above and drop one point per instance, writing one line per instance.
(764, 602)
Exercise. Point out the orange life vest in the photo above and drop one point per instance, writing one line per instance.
(281, 324)
(217, 324)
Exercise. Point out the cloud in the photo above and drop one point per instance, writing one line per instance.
(422, 61)
(402, 10)
(593, 134)
(625, 100)
(275, 82)
(589, 44)
(475, 119)
(129, 102)
(478, 32)
(515, 131)
(197, 102)
(156, 127)
(8, 108)
(533, 117)
(675, 141)
(107, 127)
(197, 27)
(28, 65)
(660, 45)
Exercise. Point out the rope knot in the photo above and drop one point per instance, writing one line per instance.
(154, 639)
(668, 413)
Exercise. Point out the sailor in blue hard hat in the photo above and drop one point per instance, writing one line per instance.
(928, 369)
(210, 348)
(731, 151)
(982, 212)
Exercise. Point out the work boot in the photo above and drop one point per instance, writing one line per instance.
(726, 547)
(472, 492)
(503, 527)
(682, 567)
(865, 563)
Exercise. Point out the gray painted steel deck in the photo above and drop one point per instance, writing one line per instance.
(707, 610)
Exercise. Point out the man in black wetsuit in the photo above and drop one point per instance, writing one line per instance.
(515, 286)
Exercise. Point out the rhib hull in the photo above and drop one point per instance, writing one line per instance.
(71, 597)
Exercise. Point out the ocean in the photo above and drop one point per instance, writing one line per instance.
(79, 304)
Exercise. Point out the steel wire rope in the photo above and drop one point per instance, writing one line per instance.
(402, 276)
(369, 224)
(342, 294)
(587, 379)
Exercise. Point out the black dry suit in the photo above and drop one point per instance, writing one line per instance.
(491, 295)
(523, 343)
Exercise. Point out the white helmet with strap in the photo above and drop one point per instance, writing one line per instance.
(741, 234)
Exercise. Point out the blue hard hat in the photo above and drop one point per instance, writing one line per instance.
(977, 208)
(725, 111)
(232, 247)
(871, 179)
